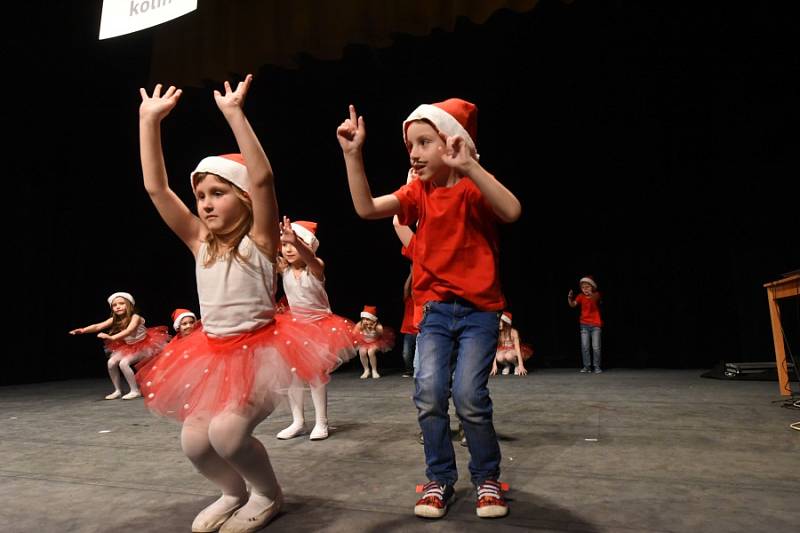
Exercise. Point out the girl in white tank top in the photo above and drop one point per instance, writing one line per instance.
(303, 276)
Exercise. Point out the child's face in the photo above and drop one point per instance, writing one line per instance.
(425, 148)
(368, 322)
(586, 288)
(119, 306)
(217, 205)
(186, 325)
(289, 253)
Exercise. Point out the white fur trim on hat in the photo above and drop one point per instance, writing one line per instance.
(306, 236)
(590, 281)
(226, 168)
(177, 323)
(443, 121)
(365, 314)
(505, 319)
(125, 295)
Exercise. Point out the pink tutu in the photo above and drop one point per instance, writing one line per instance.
(157, 337)
(201, 376)
(384, 343)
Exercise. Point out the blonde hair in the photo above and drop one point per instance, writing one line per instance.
(121, 322)
(214, 249)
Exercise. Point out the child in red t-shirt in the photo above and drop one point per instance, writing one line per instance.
(456, 205)
(590, 322)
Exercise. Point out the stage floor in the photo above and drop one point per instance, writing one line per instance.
(627, 450)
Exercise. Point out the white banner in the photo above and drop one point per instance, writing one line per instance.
(127, 16)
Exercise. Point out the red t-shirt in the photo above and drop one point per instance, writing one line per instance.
(455, 253)
(408, 326)
(590, 312)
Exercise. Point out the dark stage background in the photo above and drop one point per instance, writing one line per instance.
(651, 146)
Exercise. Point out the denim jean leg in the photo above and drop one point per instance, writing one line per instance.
(585, 354)
(477, 342)
(596, 352)
(434, 347)
(409, 345)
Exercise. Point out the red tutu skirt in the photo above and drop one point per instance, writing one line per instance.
(201, 376)
(525, 349)
(384, 343)
(157, 337)
(331, 332)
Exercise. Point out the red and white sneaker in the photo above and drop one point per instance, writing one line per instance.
(490, 500)
(434, 501)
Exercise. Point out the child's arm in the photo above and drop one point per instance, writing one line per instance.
(314, 263)
(494, 366)
(571, 299)
(351, 134)
(265, 231)
(94, 328)
(404, 233)
(135, 320)
(379, 330)
(357, 328)
(520, 370)
(173, 211)
(503, 202)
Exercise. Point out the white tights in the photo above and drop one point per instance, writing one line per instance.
(119, 362)
(224, 450)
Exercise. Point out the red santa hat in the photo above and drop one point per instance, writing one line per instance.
(125, 295)
(589, 280)
(506, 317)
(307, 232)
(451, 117)
(180, 314)
(229, 166)
(371, 312)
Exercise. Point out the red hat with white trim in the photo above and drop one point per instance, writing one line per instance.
(506, 317)
(370, 311)
(125, 295)
(229, 166)
(180, 314)
(589, 280)
(451, 117)
(307, 232)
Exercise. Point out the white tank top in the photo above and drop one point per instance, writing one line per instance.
(306, 294)
(138, 334)
(236, 296)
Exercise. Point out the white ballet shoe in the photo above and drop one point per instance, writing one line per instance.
(291, 432)
(114, 395)
(365, 375)
(208, 521)
(375, 374)
(237, 524)
(132, 395)
(320, 432)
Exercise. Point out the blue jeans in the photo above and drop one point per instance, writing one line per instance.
(588, 331)
(409, 350)
(447, 328)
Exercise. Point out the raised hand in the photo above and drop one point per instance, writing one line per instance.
(233, 100)
(76, 331)
(287, 233)
(351, 133)
(570, 295)
(457, 154)
(103, 335)
(158, 106)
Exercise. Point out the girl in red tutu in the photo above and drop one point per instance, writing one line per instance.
(224, 379)
(511, 353)
(303, 276)
(127, 342)
(371, 338)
